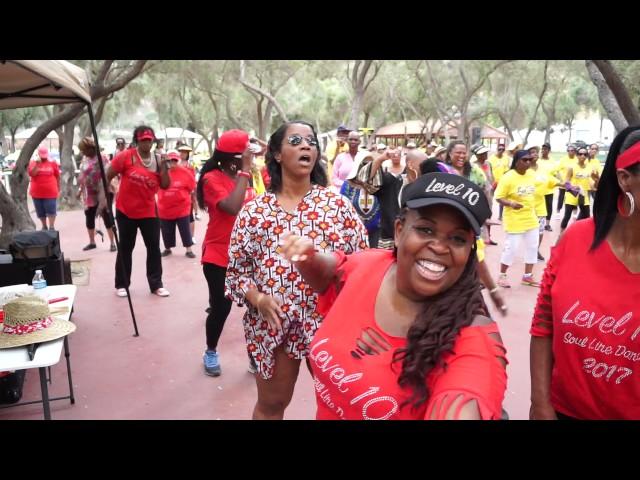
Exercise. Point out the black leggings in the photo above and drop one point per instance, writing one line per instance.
(219, 305)
(568, 210)
(561, 192)
(90, 215)
(128, 230)
(90, 218)
(549, 203)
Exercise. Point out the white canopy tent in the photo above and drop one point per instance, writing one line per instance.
(32, 83)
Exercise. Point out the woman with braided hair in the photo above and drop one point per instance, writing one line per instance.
(409, 338)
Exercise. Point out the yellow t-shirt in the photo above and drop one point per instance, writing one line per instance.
(595, 166)
(499, 166)
(330, 151)
(552, 167)
(521, 189)
(565, 164)
(581, 178)
(480, 249)
(544, 183)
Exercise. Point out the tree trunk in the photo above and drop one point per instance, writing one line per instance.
(5, 147)
(547, 135)
(68, 190)
(607, 98)
(506, 125)
(620, 92)
(356, 107)
(15, 215)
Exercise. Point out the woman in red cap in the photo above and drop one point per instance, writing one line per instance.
(174, 206)
(585, 345)
(281, 316)
(45, 187)
(223, 188)
(142, 175)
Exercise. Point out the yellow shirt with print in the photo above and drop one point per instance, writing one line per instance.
(521, 189)
(581, 178)
(499, 166)
(544, 182)
(330, 153)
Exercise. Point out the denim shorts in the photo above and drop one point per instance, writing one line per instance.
(45, 207)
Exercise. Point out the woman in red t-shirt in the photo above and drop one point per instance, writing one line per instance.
(174, 205)
(223, 188)
(45, 186)
(585, 344)
(419, 345)
(142, 175)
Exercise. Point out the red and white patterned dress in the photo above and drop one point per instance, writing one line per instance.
(255, 261)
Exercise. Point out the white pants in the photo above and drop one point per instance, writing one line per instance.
(513, 242)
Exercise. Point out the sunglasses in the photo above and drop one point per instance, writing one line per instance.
(582, 154)
(296, 139)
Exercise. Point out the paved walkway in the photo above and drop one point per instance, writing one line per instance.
(159, 374)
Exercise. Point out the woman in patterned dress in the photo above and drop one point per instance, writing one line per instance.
(281, 316)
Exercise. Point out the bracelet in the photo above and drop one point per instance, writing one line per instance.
(494, 290)
(244, 174)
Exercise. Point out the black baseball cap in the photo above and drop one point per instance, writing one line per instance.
(449, 189)
(343, 128)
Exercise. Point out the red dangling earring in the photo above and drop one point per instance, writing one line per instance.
(621, 204)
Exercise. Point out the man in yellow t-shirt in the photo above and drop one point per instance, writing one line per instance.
(337, 146)
(564, 165)
(500, 163)
(516, 193)
(596, 168)
(552, 167)
(545, 182)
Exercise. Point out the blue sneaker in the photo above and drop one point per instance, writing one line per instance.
(211, 363)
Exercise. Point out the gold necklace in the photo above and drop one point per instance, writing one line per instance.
(147, 164)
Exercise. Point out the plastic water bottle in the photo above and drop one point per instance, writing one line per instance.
(39, 285)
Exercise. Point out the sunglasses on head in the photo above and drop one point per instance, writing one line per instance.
(296, 139)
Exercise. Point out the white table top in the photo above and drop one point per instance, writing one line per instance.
(48, 353)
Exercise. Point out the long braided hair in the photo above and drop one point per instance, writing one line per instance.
(434, 330)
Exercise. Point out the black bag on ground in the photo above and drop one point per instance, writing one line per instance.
(35, 245)
(11, 387)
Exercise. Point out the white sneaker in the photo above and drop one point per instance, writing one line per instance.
(193, 239)
(162, 292)
(121, 292)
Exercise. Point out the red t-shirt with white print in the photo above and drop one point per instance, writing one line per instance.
(590, 304)
(138, 185)
(352, 383)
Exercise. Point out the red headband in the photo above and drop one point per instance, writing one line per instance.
(629, 157)
(145, 135)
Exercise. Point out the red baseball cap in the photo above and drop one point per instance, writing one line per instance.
(43, 152)
(173, 155)
(145, 135)
(629, 157)
(233, 141)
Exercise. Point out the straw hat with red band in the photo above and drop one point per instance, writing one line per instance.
(28, 320)
(145, 135)
(233, 141)
(629, 157)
